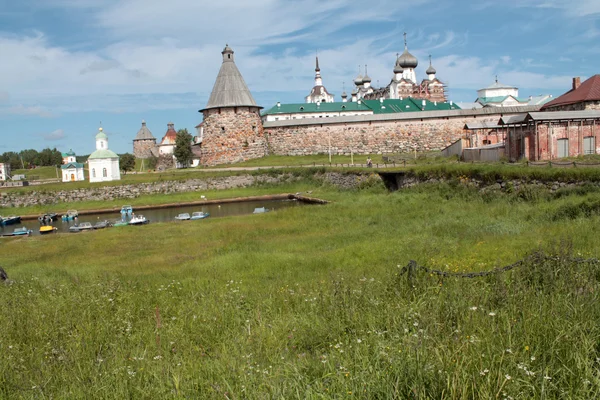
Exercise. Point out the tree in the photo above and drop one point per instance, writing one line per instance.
(126, 162)
(48, 157)
(12, 158)
(183, 148)
(29, 157)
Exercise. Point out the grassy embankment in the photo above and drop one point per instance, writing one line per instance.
(306, 303)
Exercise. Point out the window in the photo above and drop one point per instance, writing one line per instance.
(93, 172)
(101, 145)
(104, 172)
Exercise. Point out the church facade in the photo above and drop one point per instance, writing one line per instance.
(403, 83)
(103, 163)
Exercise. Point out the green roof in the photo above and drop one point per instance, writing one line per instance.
(104, 153)
(71, 152)
(72, 165)
(388, 106)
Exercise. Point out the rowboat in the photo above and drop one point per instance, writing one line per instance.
(183, 217)
(199, 215)
(102, 224)
(46, 229)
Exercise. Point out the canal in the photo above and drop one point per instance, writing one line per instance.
(167, 214)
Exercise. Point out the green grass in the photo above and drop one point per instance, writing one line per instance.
(307, 302)
(39, 173)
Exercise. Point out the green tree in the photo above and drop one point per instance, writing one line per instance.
(29, 157)
(126, 162)
(183, 148)
(11, 158)
(48, 157)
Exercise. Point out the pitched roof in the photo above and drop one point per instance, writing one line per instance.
(72, 165)
(587, 91)
(104, 153)
(171, 134)
(387, 106)
(230, 89)
(144, 133)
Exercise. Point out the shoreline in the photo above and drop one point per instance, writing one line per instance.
(112, 210)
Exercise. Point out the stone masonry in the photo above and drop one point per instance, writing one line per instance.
(231, 135)
(394, 136)
(142, 148)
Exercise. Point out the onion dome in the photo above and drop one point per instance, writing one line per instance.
(344, 95)
(407, 60)
(398, 68)
(101, 134)
(358, 80)
(430, 70)
(366, 78)
(354, 92)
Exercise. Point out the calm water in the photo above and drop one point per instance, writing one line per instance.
(167, 214)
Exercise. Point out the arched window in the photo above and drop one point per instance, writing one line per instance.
(93, 172)
(104, 172)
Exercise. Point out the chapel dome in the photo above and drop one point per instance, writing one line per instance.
(407, 60)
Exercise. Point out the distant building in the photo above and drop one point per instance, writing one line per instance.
(144, 144)
(68, 157)
(318, 93)
(167, 144)
(5, 171)
(582, 96)
(501, 95)
(71, 170)
(103, 163)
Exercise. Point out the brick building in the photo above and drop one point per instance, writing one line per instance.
(582, 96)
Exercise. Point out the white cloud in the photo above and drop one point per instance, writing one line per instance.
(56, 135)
(27, 110)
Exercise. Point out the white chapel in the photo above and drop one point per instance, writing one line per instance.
(103, 163)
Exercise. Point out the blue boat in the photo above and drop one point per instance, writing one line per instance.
(13, 219)
(22, 231)
(199, 215)
(126, 211)
(70, 215)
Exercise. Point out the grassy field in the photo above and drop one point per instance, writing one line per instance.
(308, 302)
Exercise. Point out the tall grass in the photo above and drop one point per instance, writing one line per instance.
(308, 302)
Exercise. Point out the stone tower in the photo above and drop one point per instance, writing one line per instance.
(144, 142)
(233, 130)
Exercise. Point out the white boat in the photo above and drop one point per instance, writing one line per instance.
(260, 210)
(138, 220)
(183, 217)
(199, 215)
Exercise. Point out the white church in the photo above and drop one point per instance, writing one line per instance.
(103, 163)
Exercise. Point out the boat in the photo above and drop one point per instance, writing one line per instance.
(199, 215)
(11, 220)
(126, 211)
(183, 217)
(84, 226)
(47, 218)
(70, 215)
(22, 231)
(102, 224)
(46, 229)
(120, 222)
(260, 210)
(138, 220)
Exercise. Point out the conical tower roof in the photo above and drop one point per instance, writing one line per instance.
(230, 89)
(144, 133)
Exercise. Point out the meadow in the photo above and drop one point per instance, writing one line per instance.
(310, 302)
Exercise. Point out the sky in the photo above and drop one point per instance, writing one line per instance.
(67, 66)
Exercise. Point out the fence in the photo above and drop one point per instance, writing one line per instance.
(563, 164)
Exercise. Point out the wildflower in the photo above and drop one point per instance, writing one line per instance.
(358, 340)
(474, 308)
(546, 377)
(526, 348)
(484, 372)
(509, 351)
(508, 377)
(157, 357)
(492, 314)
(532, 358)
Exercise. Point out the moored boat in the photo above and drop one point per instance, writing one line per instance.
(70, 215)
(138, 220)
(84, 226)
(10, 220)
(126, 211)
(183, 217)
(260, 210)
(22, 231)
(120, 222)
(47, 218)
(199, 215)
(102, 224)
(46, 229)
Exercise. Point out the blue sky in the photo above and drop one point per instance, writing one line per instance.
(66, 65)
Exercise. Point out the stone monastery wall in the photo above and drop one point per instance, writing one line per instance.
(231, 135)
(369, 134)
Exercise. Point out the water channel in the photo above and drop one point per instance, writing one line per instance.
(166, 214)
